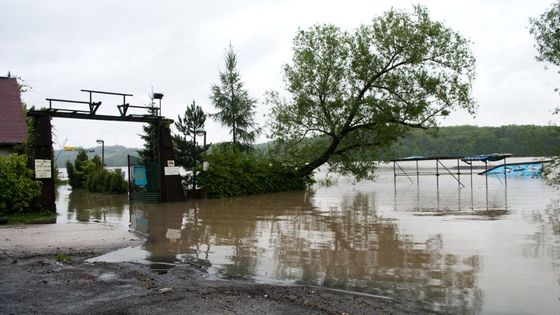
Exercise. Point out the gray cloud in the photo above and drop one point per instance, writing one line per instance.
(177, 47)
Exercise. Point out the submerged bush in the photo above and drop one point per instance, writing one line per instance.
(17, 187)
(104, 181)
(235, 173)
(90, 175)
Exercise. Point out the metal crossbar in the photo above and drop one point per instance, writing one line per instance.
(94, 106)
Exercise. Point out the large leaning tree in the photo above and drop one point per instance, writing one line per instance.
(357, 92)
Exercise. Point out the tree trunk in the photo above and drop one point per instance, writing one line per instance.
(322, 159)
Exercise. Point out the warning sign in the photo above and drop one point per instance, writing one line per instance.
(43, 169)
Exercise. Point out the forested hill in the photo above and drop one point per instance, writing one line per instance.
(526, 140)
(115, 155)
(458, 140)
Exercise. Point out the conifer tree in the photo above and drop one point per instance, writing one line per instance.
(193, 119)
(236, 109)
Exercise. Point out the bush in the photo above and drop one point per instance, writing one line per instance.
(17, 186)
(104, 181)
(234, 173)
(90, 175)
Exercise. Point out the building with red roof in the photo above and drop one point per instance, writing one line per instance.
(13, 129)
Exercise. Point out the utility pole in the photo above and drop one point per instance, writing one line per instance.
(102, 152)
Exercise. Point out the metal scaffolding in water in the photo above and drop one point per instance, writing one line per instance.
(442, 169)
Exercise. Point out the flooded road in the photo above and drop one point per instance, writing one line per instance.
(450, 249)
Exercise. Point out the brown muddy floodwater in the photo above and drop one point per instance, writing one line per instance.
(446, 248)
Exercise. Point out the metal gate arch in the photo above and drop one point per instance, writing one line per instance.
(168, 187)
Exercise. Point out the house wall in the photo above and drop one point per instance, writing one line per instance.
(6, 150)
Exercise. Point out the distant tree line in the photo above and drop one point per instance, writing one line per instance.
(115, 155)
(526, 140)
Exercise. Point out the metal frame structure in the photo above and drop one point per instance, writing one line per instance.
(91, 112)
(469, 160)
(459, 158)
(170, 186)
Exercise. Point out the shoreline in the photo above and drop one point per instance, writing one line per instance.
(33, 281)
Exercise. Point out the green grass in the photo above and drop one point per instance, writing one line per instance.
(62, 258)
(31, 218)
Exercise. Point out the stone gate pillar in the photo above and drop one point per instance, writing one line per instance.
(43, 164)
(170, 180)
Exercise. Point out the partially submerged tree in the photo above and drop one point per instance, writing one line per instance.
(193, 119)
(236, 109)
(362, 90)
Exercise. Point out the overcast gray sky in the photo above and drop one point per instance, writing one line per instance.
(177, 47)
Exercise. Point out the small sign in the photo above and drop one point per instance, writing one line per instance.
(205, 165)
(168, 171)
(43, 169)
(170, 163)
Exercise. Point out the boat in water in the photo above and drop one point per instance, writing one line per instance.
(533, 168)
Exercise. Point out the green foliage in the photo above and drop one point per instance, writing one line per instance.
(90, 175)
(32, 218)
(104, 181)
(235, 173)
(17, 186)
(184, 152)
(77, 173)
(546, 30)
(362, 90)
(520, 140)
(62, 258)
(469, 140)
(187, 155)
(193, 119)
(22, 85)
(150, 152)
(236, 107)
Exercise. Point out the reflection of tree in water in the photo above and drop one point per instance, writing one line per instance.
(173, 233)
(284, 236)
(238, 224)
(546, 240)
(88, 206)
(352, 248)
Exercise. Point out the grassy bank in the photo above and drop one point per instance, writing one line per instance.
(31, 218)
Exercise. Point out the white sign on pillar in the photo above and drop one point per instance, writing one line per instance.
(171, 171)
(43, 168)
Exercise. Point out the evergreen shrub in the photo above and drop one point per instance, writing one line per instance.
(236, 173)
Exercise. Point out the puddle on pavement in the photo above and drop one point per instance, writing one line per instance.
(448, 248)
